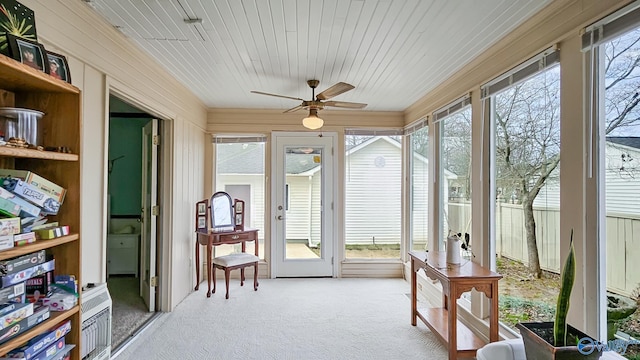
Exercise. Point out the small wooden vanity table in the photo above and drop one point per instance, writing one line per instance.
(213, 238)
(455, 279)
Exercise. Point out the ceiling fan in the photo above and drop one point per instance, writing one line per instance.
(318, 102)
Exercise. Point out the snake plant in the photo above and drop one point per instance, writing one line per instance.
(566, 285)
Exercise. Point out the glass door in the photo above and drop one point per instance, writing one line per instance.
(302, 206)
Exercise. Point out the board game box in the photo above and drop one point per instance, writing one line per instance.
(20, 263)
(40, 314)
(27, 273)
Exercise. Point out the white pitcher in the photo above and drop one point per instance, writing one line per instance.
(453, 250)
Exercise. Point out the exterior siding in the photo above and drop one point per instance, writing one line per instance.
(298, 215)
(373, 195)
(255, 204)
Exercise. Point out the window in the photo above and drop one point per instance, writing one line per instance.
(419, 185)
(525, 115)
(455, 170)
(373, 197)
(239, 169)
(620, 128)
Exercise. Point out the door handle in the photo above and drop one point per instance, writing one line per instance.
(279, 217)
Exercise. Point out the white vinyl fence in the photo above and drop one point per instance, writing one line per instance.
(623, 241)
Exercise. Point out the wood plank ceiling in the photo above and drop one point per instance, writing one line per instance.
(392, 51)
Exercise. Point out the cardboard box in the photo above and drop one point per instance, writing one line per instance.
(21, 311)
(14, 265)
(10, 226)
(52, 233)
(13, 293)
(47, 203)
(56, 191)
(37, 344)
(27, 209)
(25, 274)
(40, 314)
(60, 301)
(6, 242)
(8, 208)
(39, 286)
(24, 239)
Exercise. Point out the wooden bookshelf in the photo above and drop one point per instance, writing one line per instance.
(24, 87)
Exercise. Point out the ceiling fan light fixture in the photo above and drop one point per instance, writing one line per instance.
(312, 121)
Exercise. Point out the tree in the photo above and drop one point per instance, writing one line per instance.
(527, 129)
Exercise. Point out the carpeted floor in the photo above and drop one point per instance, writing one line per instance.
(292, 319)
(129, 310)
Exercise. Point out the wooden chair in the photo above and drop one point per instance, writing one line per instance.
(232, 262)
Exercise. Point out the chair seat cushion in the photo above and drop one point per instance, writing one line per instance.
(512, 349)
(235, 259)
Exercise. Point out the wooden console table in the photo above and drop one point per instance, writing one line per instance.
(455, 279)
(212, 239)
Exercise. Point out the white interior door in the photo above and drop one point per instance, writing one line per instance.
(303, 234)
(149, 203)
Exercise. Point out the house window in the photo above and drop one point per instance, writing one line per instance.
(419, 185)
(617, 70)
(239, 170)
(373, 199)
(454, 171)
(525, 118)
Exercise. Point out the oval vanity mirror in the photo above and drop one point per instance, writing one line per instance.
(221, 211)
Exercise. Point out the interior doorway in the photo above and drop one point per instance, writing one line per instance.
(132, 236)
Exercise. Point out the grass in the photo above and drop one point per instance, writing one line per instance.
(369, 251)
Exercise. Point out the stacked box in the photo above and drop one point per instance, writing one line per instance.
(15, 293)
(43, 348)
(29, 177)
(8, 208)
(6, 242)
(14, 265)
(26, 208)
(24, 239)
(21, 311)
(10, 226)
(39, 286)
(48, 353)
(40, 314)
(52, 232)
(25, 274)
(48, 204)
(64, 354)
(37, 344)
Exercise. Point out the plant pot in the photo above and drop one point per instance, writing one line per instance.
(538, 343)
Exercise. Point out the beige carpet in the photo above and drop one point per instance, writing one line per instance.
(291, 319)
(129, 310)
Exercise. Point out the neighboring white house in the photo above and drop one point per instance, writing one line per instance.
(373, 182)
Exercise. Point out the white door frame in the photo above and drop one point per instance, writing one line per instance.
(165, 181)
(329, 228)
(149, 235)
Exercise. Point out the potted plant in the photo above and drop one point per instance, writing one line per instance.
(557, 340)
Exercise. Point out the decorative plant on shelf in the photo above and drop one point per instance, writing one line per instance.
(557, 340)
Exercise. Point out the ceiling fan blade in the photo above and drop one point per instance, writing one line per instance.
(293, 109)
(335, 90)
(345, 104)
(276, 95)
